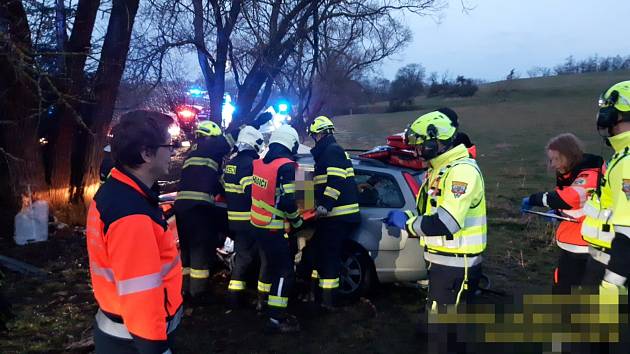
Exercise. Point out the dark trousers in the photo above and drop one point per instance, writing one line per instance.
(593, 275)
(326, 247)
(570, 271)
(106, 344)
(247, 254)
(198, 239)
(280, 263)
(620, 256)
(446, 283)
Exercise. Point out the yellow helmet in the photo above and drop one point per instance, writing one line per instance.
(613, 101)
(431, 126)
(321, 124)
(208, 128)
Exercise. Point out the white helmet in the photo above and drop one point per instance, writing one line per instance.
(287, 136)
(249, 138)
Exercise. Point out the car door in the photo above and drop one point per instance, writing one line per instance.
(379, 193)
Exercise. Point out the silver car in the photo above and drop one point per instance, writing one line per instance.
(377, 253)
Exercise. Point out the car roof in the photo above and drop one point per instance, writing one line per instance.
(359, 161)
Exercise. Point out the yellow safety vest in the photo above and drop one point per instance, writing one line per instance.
(455, 186)
(609, 211)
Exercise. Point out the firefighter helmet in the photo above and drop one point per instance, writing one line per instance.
(250, 138)
(431, 126)
(286, 136)
(321, 124)
(614, 104)
(208, 128)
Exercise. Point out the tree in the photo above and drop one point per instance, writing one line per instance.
(409, 83)
(72, 96)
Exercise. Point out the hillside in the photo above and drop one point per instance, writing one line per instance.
(510, 121)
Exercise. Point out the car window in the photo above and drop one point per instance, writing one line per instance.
(378, 190)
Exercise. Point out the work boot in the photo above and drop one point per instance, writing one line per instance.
(284, 324)
(202, 299)
(233, 301)
(328, 301)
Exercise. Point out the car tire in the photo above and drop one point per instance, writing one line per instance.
(357, 275)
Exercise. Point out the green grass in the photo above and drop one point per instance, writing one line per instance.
(510, 122)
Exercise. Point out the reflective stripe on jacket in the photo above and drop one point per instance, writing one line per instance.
(237, 175)
(608, 213)
(454, 190)
(135, 267)
(335, 186)
(264, 213)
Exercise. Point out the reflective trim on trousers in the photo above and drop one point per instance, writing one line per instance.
(598, 255)
(453, 261)
(186, 271)
(277, 301)
(264, 287)
(329, 283)
(199, 273)
(119, 330)
(572, 248)
(236, 285)
(238, 215)
(314, 274)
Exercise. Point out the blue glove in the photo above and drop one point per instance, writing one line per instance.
(550, 219)
(396, 218)
(525, 205)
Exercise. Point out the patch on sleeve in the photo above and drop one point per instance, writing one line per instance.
(458, 188)
(626, 188)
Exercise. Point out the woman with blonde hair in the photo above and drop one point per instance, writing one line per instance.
(577, 175)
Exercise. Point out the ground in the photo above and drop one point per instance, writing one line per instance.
(509, 121)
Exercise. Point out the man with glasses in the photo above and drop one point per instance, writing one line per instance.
(134, 262)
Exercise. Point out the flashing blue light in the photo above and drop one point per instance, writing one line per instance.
(283, 107)
(195, 92)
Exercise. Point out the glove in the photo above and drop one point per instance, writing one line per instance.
(261, 120)
(525, 205)
(550, 219)
(396, 218)
(321, 211)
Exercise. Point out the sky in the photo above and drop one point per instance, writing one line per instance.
(498, 35)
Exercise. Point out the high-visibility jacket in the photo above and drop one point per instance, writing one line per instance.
(237, 175)
(265, 193)
(134, 263)
(201, 172)
(608, 210)
(335, 187)
(569, 198)
(453, 192)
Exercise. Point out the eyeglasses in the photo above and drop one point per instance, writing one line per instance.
(172, 146)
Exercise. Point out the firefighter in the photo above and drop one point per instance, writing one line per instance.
(274, 209)
(134, 262)
(451, 214)
(198, 219)
(460, 137)
(238, 194)
(577, 175)
(607, 224)
(337, 207)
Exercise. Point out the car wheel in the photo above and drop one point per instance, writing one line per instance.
(356, 275)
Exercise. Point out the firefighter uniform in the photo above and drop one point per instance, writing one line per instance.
(238, 180)
(198, 219)
(135, 268)
(336, 191)
(569, 198)
(273, 210)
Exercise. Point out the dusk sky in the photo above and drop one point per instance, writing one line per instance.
(498, 35)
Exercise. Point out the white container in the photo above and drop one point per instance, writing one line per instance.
(31, 224)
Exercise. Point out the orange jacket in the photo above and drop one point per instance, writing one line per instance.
(264, 181)
(134, 261)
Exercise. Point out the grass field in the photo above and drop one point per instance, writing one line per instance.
(510, 122)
